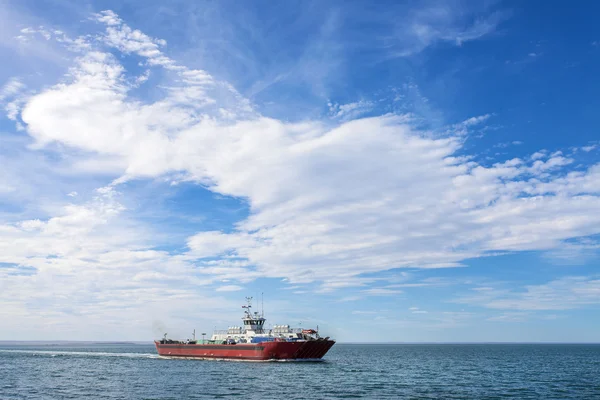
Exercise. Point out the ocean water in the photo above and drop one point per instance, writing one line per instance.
(423, 371)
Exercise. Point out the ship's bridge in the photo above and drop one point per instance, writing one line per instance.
(254, 322)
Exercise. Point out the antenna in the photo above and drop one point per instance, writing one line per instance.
(262, 300)
(248, 307)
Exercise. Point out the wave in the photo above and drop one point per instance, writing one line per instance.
(55, 353)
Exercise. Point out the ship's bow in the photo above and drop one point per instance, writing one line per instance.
(309, 350)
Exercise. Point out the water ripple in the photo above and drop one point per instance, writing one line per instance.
(350, 371)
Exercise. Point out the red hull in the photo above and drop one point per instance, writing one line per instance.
(258, 352)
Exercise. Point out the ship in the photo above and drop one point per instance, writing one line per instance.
(251, 342)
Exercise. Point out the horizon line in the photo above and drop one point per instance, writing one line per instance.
(141, 342)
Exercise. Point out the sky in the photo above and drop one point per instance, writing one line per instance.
(388, 171)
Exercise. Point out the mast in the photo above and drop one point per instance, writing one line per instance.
(248, 306)
(253, 321)
(262, 306)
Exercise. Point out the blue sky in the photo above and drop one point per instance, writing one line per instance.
(394, 172)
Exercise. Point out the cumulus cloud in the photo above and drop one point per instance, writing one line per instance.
(328, 203)
(91, 261)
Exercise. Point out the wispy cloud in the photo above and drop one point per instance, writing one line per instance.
(561, 294)
(282, 189)
(229, 288)
(325, 40)
(351, 110)
(12, 87)
(476, 120)
(381, 291)
(575, 252)
(441, 22)
(331, 201)
(510, 317)
(360, 312)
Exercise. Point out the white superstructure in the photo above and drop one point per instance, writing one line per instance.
(254, 330)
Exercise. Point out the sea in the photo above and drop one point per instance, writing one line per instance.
(365, 371)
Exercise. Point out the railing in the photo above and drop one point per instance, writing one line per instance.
(275, 331)
(291, 330)
(226, 332)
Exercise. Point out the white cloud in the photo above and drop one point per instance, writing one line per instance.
(438, 22)
(91, 260)
(327, 203)
(476, 120)
(108, 17)
(5, 188)
(12, 97)
(576, 252)
(11, 88)
(550, 163)
(229, 288)
(381, 292)
(537, 155)
(209, 244)
(46, 34)
(587, 149)
(560, 294)
(351, 110)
